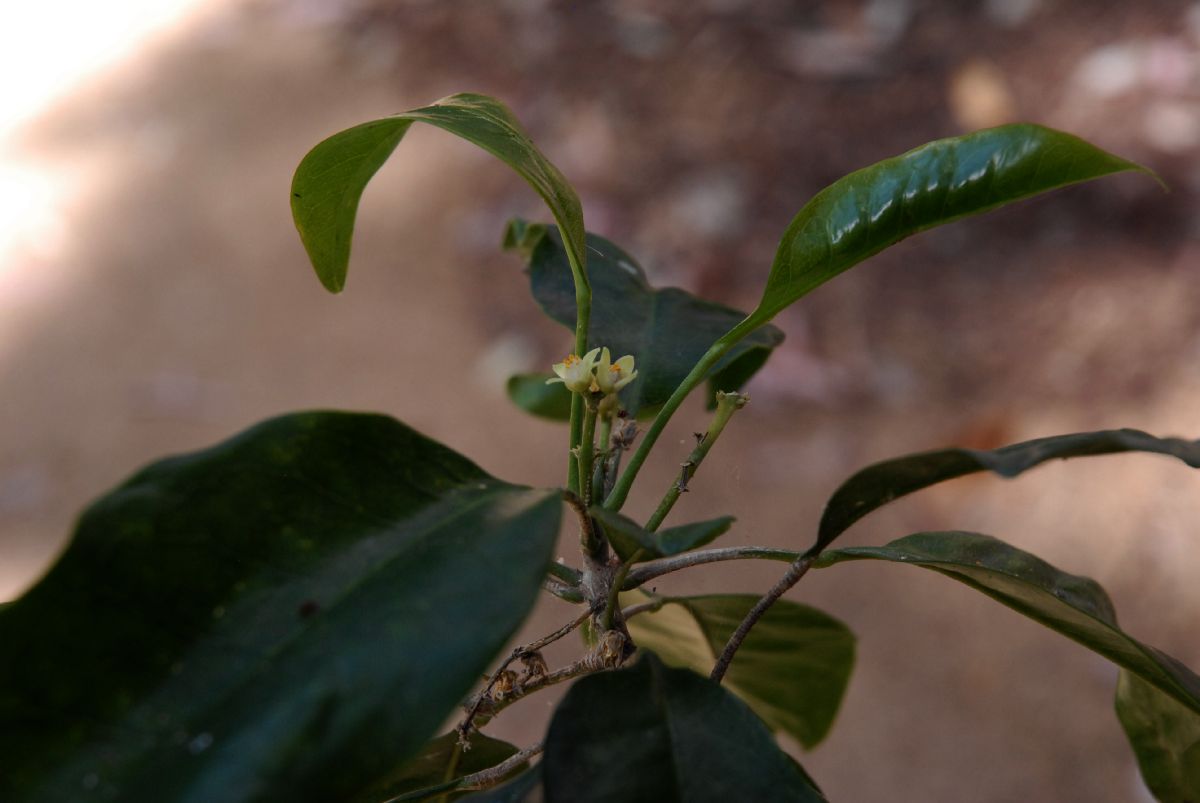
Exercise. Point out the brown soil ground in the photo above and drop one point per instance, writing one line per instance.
(178, 308)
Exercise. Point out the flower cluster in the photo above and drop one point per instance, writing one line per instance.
(595, 372)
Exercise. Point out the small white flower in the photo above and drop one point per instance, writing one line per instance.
(576, 372)
(612, 376)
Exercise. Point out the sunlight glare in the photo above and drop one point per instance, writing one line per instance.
(47, 50)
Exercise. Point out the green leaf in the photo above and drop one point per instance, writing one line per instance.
(330, 179)
(667, 331)
(440, 761)
(686, 537)
(531, 393)
(288, 615)
(792, 669)
(627, 536)
(1077, 607)
(941, 181)
(876, 485)
(675, 736)
(870, 209)
(1165, 737)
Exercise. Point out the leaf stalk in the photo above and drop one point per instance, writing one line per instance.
(797, 570)
(649, 570)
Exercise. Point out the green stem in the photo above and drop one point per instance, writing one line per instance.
(583, 314)
(600, 473)
(592, 547)
(587, 453)
(576, 435)
(583, 303)
(715, 352)
(727, 405)
(605, 433)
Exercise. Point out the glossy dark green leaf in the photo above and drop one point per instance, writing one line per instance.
(667, 330)
(674, 737)
(287, 615)
(941, 181)
(329, 181)
(525, 788)
(792, 669)
(531, 393)
(1165, 737)
(876, 485)
(440, 761)
(628, 537)
(1077, 607)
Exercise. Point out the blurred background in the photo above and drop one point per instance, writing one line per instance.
(155, 299)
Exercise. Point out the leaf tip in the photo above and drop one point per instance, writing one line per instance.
(1162, 183)
(333, 283)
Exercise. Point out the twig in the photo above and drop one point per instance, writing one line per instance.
(596, 661)
(642, 607)
(464, 728)
(797, 570)
(727, 405)
(614, 591)
(587, 530)
(494, 775)
(622, 440)
(550, 638)
(484, 779)
(657, 568)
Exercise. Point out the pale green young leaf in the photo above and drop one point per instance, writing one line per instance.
(792, 669)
